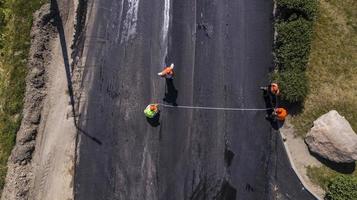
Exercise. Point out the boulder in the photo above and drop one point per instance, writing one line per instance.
(333, 138)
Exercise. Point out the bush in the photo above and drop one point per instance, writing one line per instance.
(293, 44)
(293, 85)
(303, 8)
(293, 25)
(342, 188)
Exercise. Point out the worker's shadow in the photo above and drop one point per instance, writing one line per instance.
(171, 92)
(270, 104)
(155, 121)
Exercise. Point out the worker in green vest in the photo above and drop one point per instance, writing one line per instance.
(151, 110)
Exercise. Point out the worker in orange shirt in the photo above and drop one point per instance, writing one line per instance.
(277, 114)
(168, 72)
(273, 89)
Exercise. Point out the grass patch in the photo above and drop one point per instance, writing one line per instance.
(341, 188)
(15, 27)
(332, 77)
(324, 176)
(332, 68)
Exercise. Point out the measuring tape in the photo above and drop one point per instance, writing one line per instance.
(215, 108)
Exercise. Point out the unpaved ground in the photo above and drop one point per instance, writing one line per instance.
(301, 156)
(54, 155)
(42, 163)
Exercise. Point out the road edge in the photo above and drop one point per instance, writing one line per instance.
(292, 164)
(286, 148)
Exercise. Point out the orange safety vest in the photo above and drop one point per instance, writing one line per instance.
(281, 113)
(167, 70)
(274, 89)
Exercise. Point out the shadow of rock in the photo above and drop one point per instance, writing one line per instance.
(344, 168)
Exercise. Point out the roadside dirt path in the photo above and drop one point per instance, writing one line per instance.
(47, 171)
(301, 156)
(53, 160)
(54, 156)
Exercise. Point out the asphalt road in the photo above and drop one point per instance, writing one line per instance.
(222, 54)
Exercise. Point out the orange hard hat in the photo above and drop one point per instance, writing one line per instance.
(153, 107)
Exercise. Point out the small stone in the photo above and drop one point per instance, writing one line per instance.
(35, 118)
(24, 162)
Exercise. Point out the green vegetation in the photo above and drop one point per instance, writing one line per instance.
(323, 175)
(332, 77)
(342, 188)
(302, 8)
(293, 44)
(337, 185)
(15, 27)
(294, 25)
(292, 84)
(332, 68)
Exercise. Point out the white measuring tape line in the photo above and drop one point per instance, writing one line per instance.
(215, 108)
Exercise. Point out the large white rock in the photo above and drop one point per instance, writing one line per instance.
(333, 138)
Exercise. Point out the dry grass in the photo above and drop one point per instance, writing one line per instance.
(332, 73)
(323, 175)
(332, 68)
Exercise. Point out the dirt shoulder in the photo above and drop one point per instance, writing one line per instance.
(41, 165)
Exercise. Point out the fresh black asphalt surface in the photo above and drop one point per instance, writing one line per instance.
(222, 54)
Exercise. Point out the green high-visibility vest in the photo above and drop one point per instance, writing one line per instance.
(149, 113)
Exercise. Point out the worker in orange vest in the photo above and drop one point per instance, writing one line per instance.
(277, 114)
(168, 72)
(151, 110)
(280, 114)
(273, 89)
